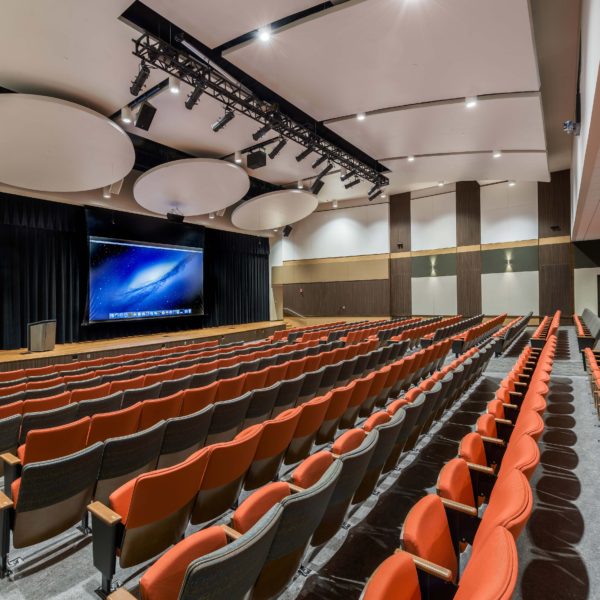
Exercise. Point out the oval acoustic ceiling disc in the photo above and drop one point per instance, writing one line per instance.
(191, 186)
(274, 210)
(53, 145)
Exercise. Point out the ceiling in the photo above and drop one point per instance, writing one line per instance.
(408, 64)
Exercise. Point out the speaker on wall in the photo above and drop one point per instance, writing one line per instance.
(287, 230)
(176, 218)
(145, 116)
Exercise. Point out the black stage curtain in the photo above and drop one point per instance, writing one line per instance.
(44, 267)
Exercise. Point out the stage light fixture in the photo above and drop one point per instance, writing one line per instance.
(195, 94)
(126, 115)
(261, 132)
(352, 184)
(303, 154)
(410, 158)
(319, 161)
(512, 183)
(300, 184)
(347, 175)
(497, 153)
(174, 85)
(140, 79)
(373, 193)
(325, 171)
(317, 186)
(471, 101)
(264, 34)
(440, 184)
(211, 215)
(237, 158)
(374, 189)
(334, 204)
(278, 148)
(228, 116)
(106, 192)
(361, 116)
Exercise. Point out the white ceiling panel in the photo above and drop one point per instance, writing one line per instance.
(497, 122)
(77, 50)
(370, 54)
(215, 22)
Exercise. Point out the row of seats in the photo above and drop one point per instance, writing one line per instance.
(483, 501)
(320, 422)
(390, 332)
(417, 332)
(312, 504)
(476, 333)
(336, 332)
(508, 333)
(591, 361)
(451, 329)
(286, 334)
(355, 334)
(548, 327)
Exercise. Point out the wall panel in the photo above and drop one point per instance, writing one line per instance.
(468, 213)
(554, 205)
(433, 222)
(512, 292)
(400, 240)
(400, 286)
(556, 279)
(468, 273)
(434, 295)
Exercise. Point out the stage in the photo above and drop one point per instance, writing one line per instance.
(17, 359)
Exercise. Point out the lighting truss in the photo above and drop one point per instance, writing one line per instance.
(191, 69)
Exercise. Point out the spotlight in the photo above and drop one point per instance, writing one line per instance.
(361, 116)
(140, 79)
(303, 154)
(317, 186)
(471, 101)
(278, 148)
(237, 158)
(106, 192)
(264, 34)
(373, 193)
(374, 190)
(410, 158)
(287, 230)
(352, 183)
(347, 175)
(300, 184)
(512, 183)
(440, 184)
(325, 171)
(126, 115)
(194, 96)
(218, 125)
(174, 85)
(497, 153)
(261, 132)
(319, 161)
(383, 196)
(334, 204)
(211, 215)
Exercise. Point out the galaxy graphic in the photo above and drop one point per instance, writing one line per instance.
(129, 280)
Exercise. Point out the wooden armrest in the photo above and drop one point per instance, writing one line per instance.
(335, 455)
(480, 468)
(521, 383)
(517, 394)
(460, 507)
(105, 514)
(295, 488)
(504, 421)
(507, 405)
(231, 533)
(493, 440)
(429, 567)
(121, 594)
(5, 501)
(10, 459)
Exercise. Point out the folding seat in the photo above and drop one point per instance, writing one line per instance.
(224, 476)
(377, 384)
(195, 399)
(49, 403)
(19, 396)
(255, 380)
(403, 376)
(384, 357)
(126, 457)
(184, 370)
(388, 428)
(228, 418)
(373, 360)
(288, 394)
(126, 384)
(160, 409)
(330, 377)
(9, 436)
(44, 383)
(523, 454)
(261, 405)
(144, 516)
(354, 466)
(91, 393)
(229, 372)
(310, 386)
(491, 573)
(346, 371)
(83, 383)
(156, 378)
(434, 398)
(230, 388)
(184, 436)
(11, 375)
(35, 394)
(172, 386)
(141, 394)
(111, 403)
(249, 365)
(338, 405)
(412, 409)
(47, 418)
(275, 374)
(361, 365)
(115, 424)
(40, 509)
(360, 392)
(72, 380)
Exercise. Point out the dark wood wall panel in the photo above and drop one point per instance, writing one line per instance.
(556, 279)
(468, 213)
(400, 287)
(468, 283)
(400, 223)
(554, 205)
(338, 298)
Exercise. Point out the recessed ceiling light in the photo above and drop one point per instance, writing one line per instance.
(275, 230)
(334, 204)
(440, 184)
(471, 101)
(106, 192)
(237, 157)
(383, 195)
(410, 158)
(211, 215)
(126, 115)
(512, 183)
(497, 153)
(361, 116)
(174, 85)
(264, 34)
(300, 184)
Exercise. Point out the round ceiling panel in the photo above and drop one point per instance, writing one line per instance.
(192, 186)
(53, 145)
(274, 210)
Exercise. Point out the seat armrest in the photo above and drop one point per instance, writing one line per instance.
(430, 567)
(103, 513)
(504, 422)
(121, 594)
(5, 502)
(460, 507)
(295, 488)
(507, 405)
(493, 440)
(230, 532)
(480, 468)
(10, 459)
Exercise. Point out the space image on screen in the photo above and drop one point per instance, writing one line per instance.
(134, 280)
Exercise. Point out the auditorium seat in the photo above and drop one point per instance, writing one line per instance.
(378, 381)
(275, 374)
(104, 426)
(83, 383)
(160, 409)
(88, 408)
(230, 388)
(255, 380)
(340, 397)
(413, 403)
(228, 418)
(47, 418)
(261, 405)
(135, 395)
(195, 399)
(43, 392)
(98, 391)
(288, 394)
(310, 386)
(47, 403)
(331, 376)
(172, 386)
(360, 391)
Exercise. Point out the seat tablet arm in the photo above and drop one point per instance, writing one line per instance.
(430, 567)
(10, 459)
(5, 502)
(295, 488)
(103, 513)
(493, 440)
(231, 533)
(480, 468)
(460, 507)
(121, 594)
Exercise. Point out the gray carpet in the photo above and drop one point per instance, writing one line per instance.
(559, 551)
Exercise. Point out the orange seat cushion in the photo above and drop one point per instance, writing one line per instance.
(312, 469)
(348, 441)
(114, 424)
(394, 579)
(256, 505)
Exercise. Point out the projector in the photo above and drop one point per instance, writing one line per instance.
(256, 159)
(175, 217)
(571, 127)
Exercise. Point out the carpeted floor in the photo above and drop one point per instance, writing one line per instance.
(559, 550)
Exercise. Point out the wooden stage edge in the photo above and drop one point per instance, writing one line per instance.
(22, 358)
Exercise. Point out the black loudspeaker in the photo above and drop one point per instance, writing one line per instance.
(317, 186)
(145, 116)
(256, 159)
(175, 217)
(287, 230)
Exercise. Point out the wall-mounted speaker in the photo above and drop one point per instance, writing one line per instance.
(287, 230)
(256, 159)
(145, 116)
(174, 217)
